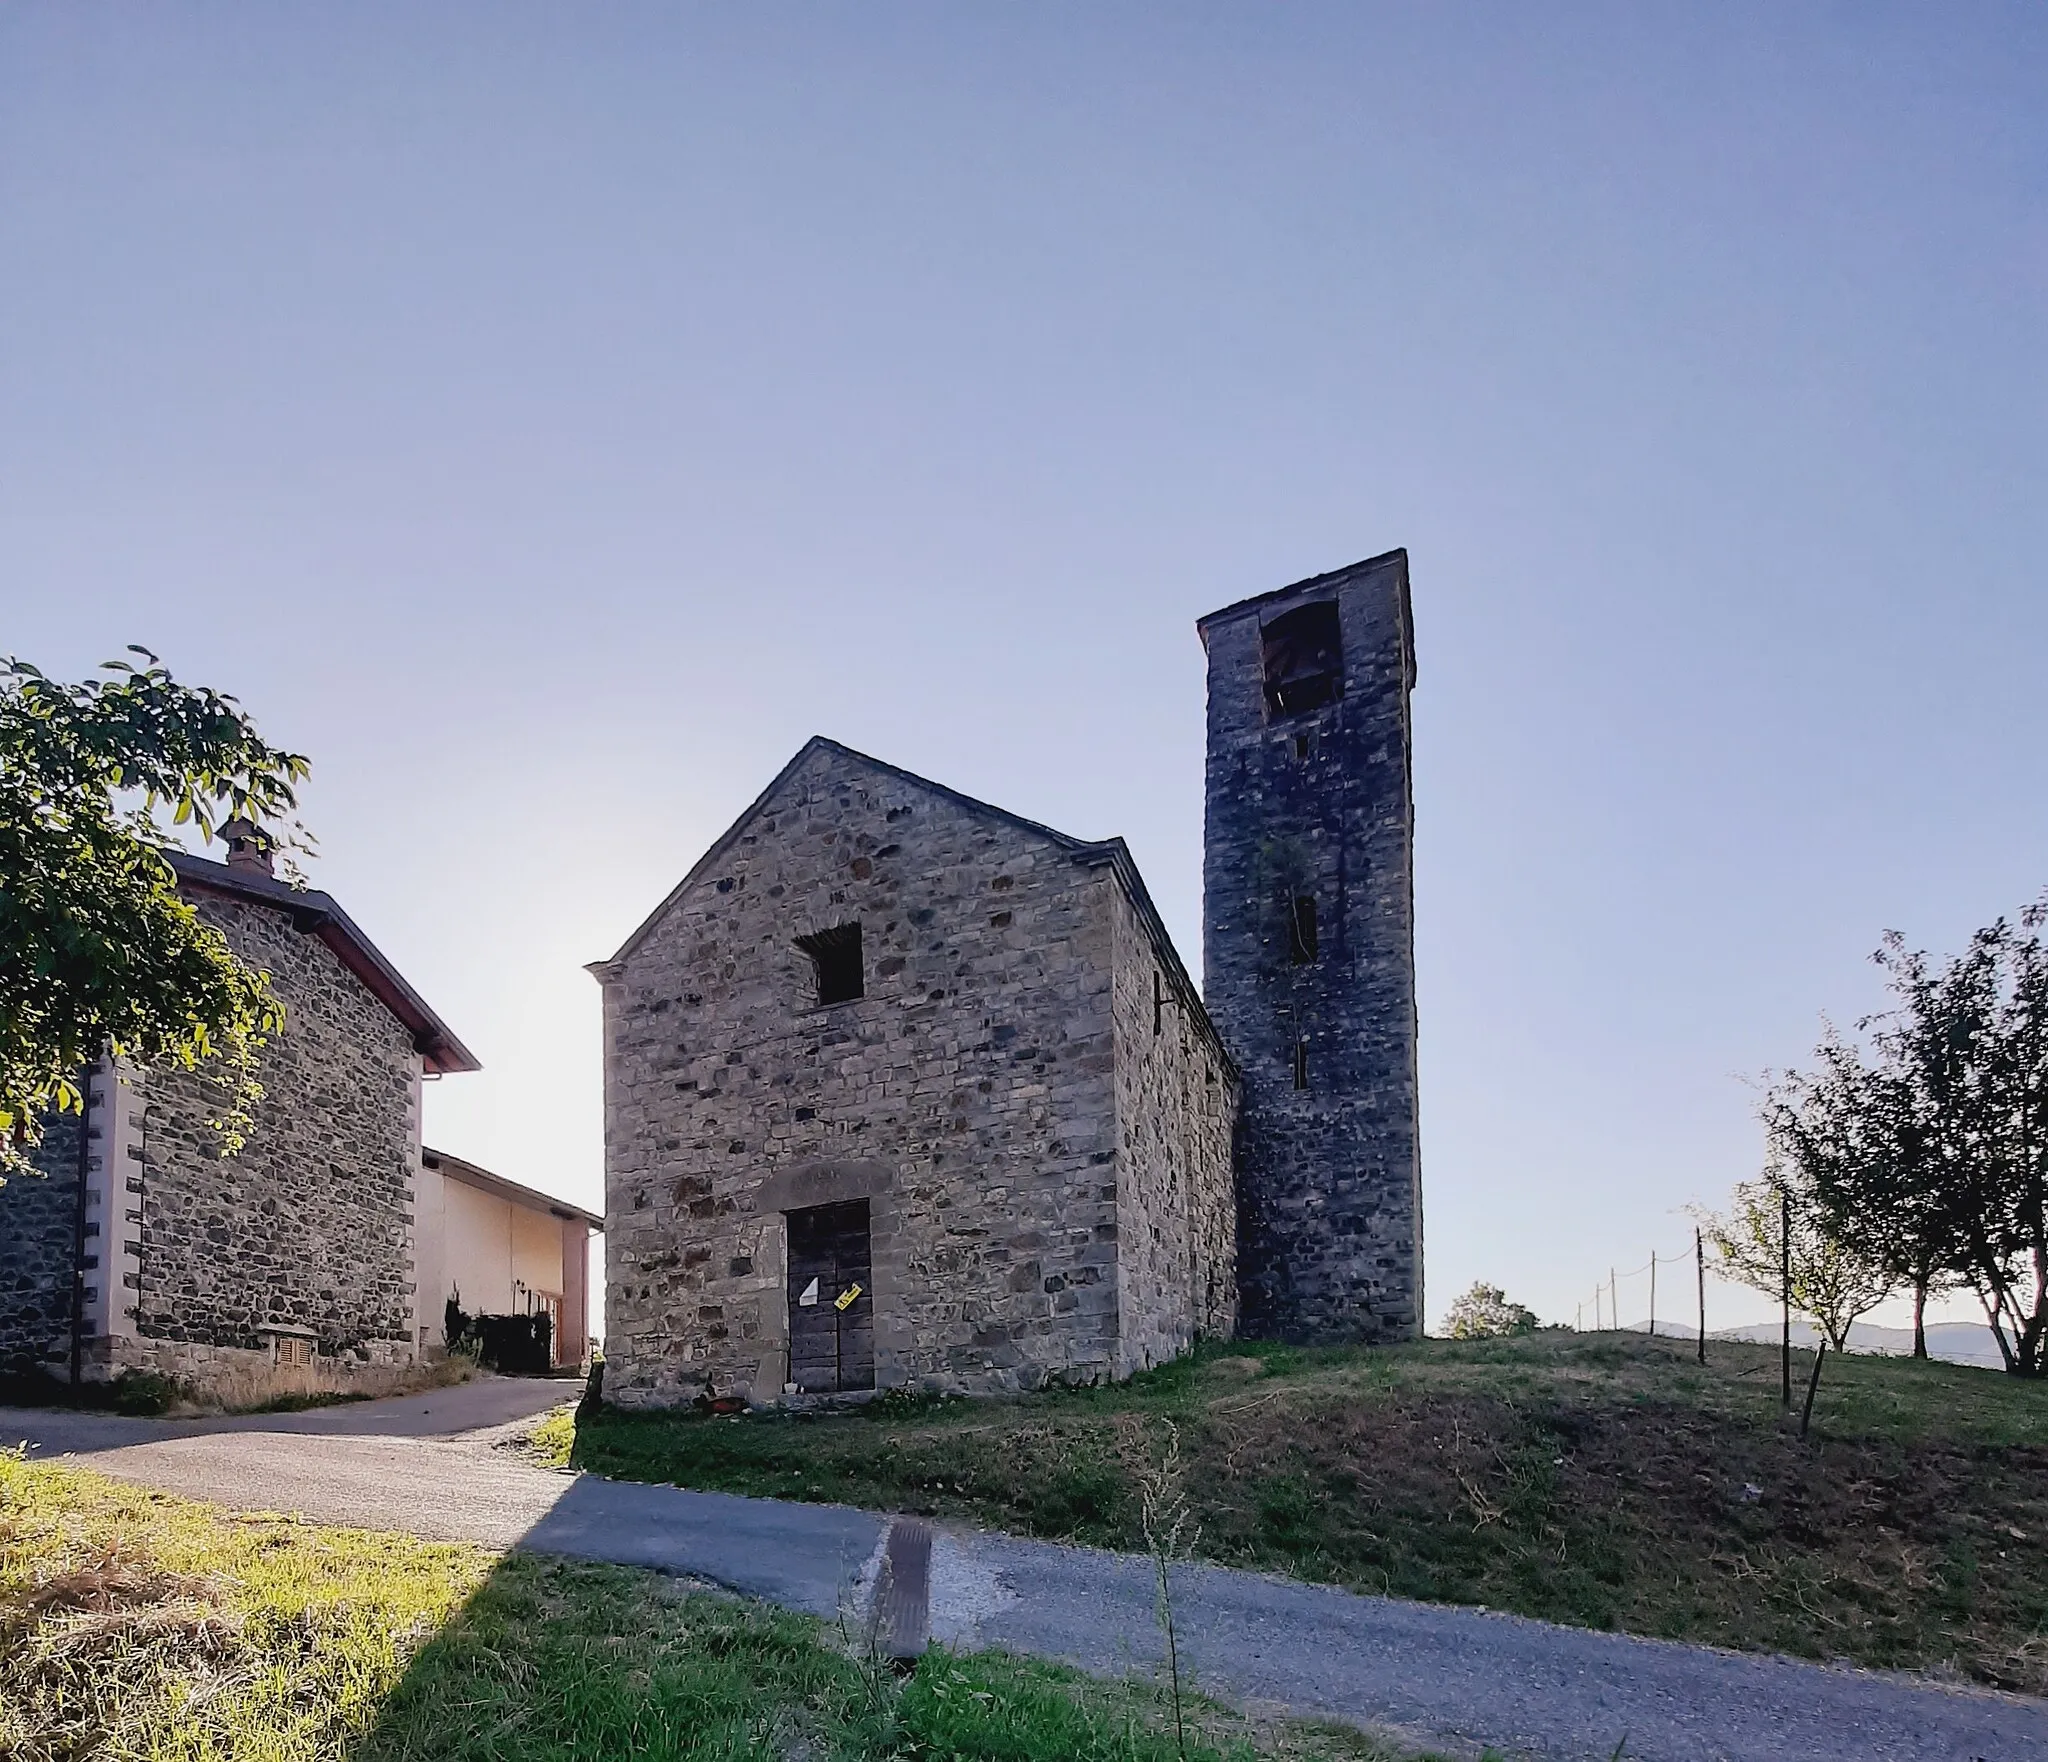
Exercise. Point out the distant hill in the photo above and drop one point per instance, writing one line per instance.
(1952, 1342)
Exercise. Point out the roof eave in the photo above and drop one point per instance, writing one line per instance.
(1117, 855)
(318, 914)
(605, 971)
(1112, 851)
(488, 1181)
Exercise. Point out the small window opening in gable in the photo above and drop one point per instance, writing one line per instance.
(1301, 931)
(1301, 1064)
(835, 954)
(1158, 1003)
(1305, 746)
(1304, 655)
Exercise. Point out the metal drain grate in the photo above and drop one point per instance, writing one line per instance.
(903, 1609)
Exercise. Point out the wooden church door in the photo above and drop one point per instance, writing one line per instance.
(831, 1299)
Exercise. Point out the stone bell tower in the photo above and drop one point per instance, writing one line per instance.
(1309, 952)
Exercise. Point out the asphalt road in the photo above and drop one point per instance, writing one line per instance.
(1458, 1677)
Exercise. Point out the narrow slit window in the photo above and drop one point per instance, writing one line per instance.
(1303, 652)
(1158, 1004)
(835, 954)
(1301, 1064)
(1301, 931)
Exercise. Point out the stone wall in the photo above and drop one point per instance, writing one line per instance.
(38, 1237)
(1317, 804)
(1176, 1102)
(967, 1096)
(309, 1230)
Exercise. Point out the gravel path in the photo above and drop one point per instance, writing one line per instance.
(430, 1465)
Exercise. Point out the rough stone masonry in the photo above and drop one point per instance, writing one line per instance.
(1308, 948)
(288, 1268)
(904, 1091)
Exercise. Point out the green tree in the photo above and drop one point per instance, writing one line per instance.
(1484, 1313)
(1858, 1135)
(1968, 1041)
(1834, 1278)
(97, 951)
(1925, 1152)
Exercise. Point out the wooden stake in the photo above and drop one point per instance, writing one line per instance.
(1812, 1383)
(1699, 1254)
(1785, 1292)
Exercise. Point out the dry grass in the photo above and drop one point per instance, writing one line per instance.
(1606, 1481)
(140, 1628)
(136, 1625)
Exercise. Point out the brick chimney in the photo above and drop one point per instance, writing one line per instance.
(249, 847)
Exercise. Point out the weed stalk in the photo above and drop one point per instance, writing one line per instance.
(1170, 1535)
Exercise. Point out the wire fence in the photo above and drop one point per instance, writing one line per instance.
(1670, 1293)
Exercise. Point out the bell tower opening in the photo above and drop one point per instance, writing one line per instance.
(1303, 655)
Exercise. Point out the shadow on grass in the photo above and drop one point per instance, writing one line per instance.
(552, 1659)
(137, 1624)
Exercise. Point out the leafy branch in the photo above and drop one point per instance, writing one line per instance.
(99, 953)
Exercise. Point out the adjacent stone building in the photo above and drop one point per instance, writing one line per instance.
(904, 1091)
(1308, 948)
(290, 1266)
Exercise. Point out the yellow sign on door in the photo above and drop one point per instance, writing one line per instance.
(845, 1298)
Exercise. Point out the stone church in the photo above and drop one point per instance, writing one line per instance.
(903, 1090)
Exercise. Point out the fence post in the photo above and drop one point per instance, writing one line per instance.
(1785, 1290)
(1699, 1254)
(1613, 1301)
(1653, 1293)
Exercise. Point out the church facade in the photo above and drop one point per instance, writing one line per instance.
(905, 1091)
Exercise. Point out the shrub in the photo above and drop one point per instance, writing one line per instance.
(1484, 1313)
(517, 1345)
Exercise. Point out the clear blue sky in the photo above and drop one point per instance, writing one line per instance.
(547, 417)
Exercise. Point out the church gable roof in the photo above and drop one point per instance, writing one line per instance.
(1112, 852)
(765, 802)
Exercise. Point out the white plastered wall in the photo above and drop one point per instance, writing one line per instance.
(430, 1264)
(495, 1251)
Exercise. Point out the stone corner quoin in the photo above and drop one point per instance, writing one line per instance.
(904, 1091)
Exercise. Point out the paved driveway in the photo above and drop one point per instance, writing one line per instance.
(431, 1465)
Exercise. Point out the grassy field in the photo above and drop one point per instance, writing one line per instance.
(1604, 1480)
(136, 1626)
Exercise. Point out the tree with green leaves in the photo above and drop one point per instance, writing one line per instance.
(98, 953)
(1968, 1039)
(1925, 1151)
(1485, 1313)
(1778, 1237)
(1857, 1135)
